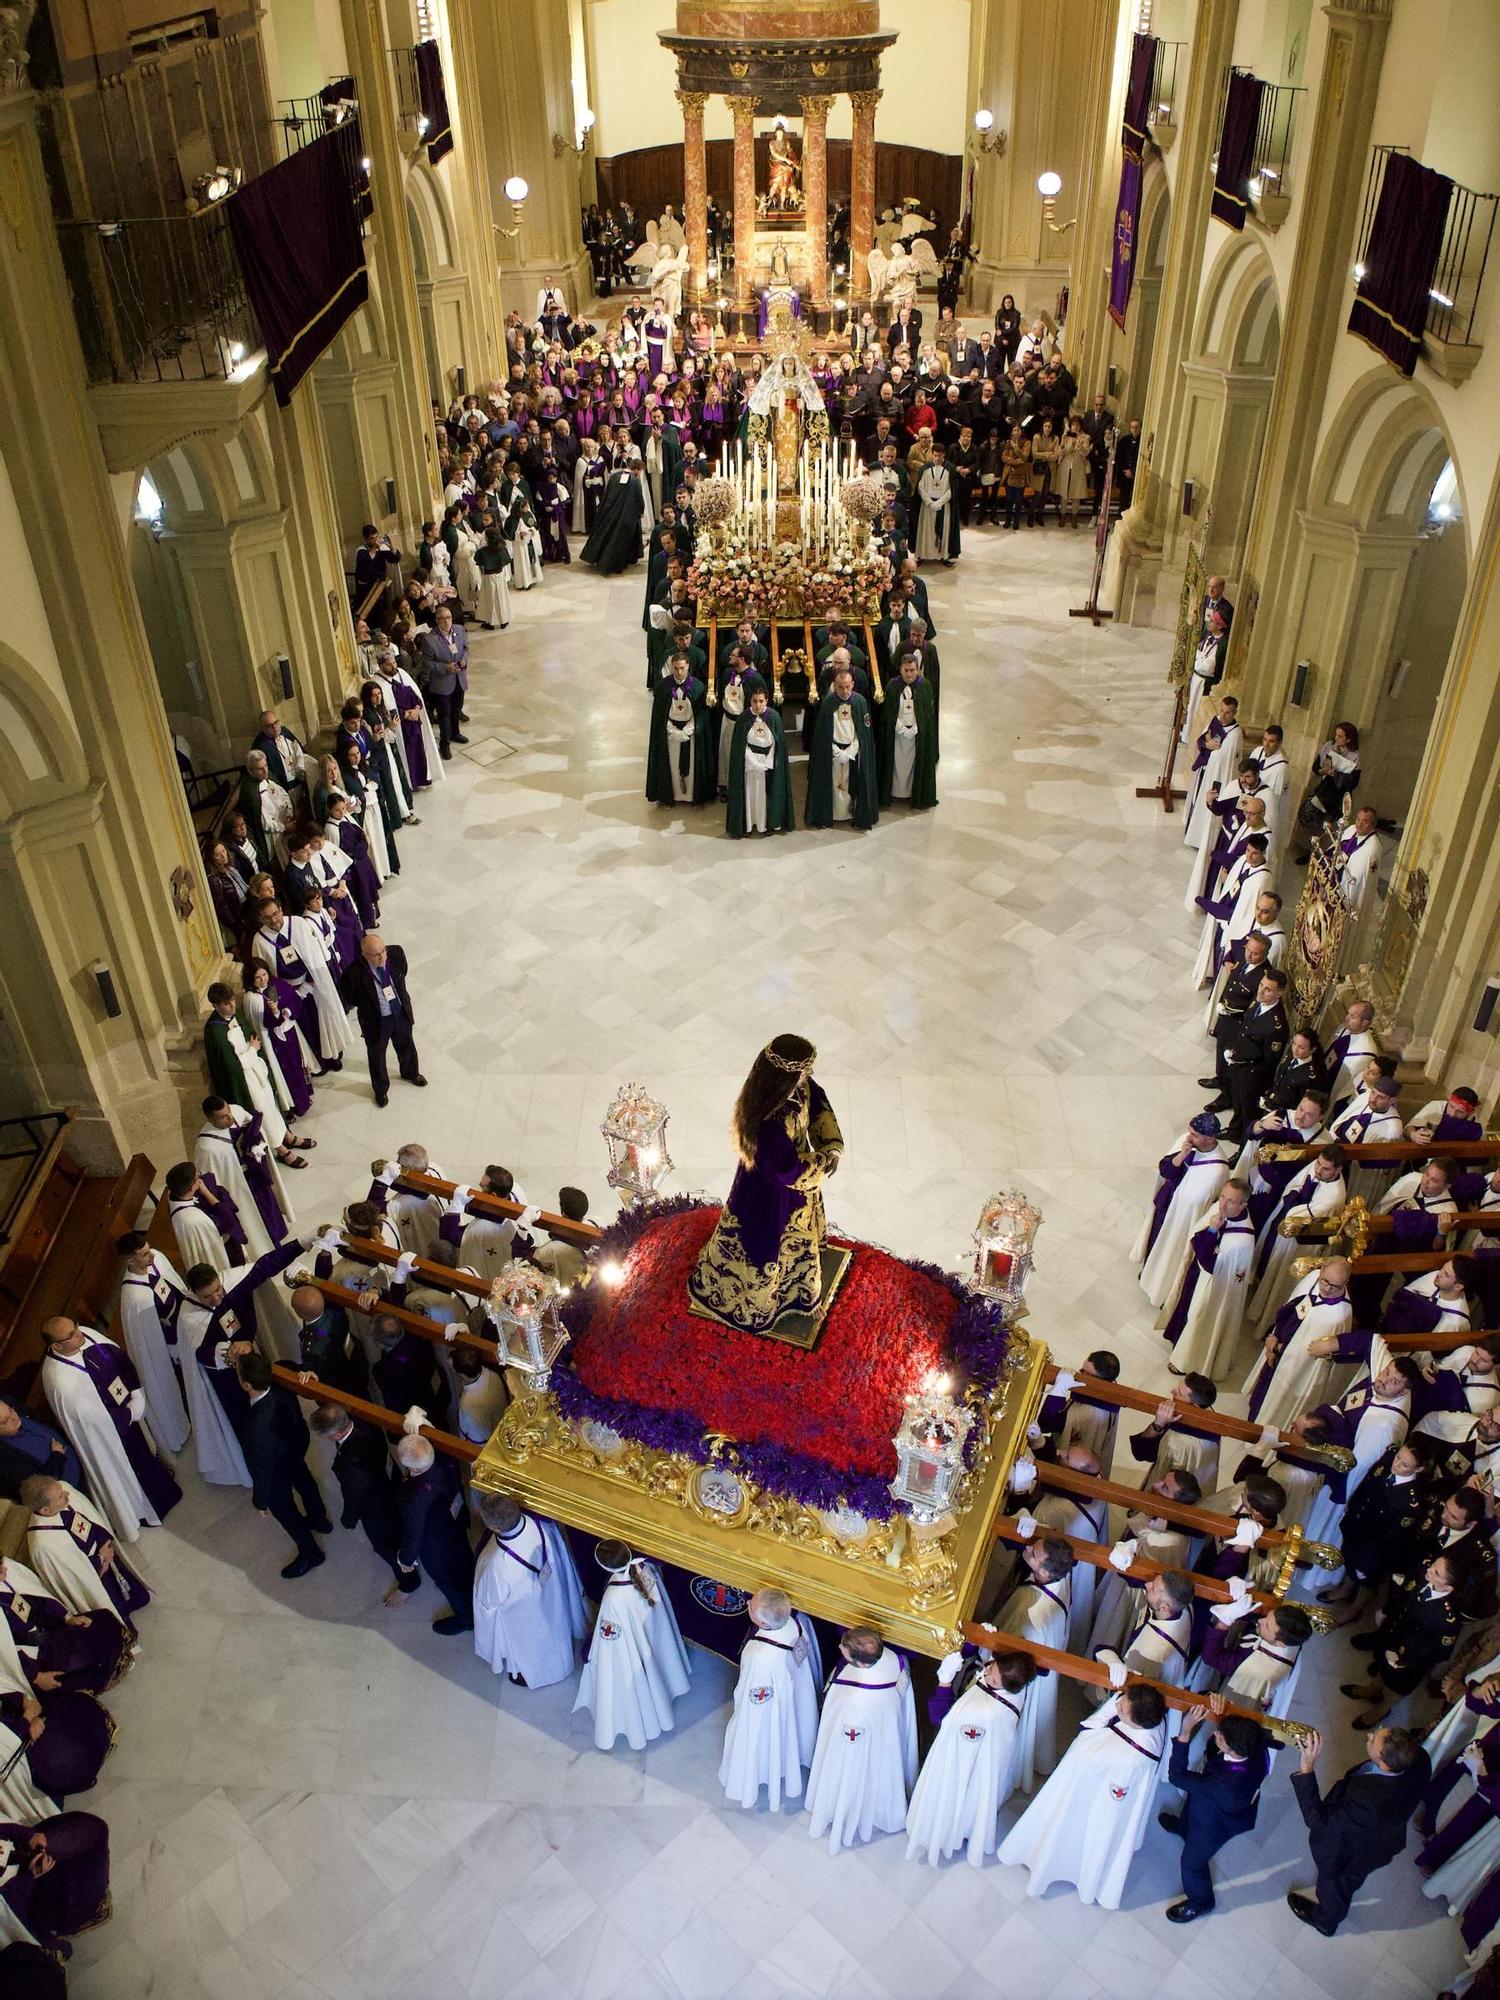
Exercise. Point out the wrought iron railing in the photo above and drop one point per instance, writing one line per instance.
(1164, 72)
(408, 90)
(1273, 140)
(158, 298)
(1453, 298)
(303, 119)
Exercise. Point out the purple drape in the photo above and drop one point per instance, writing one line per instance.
(296, 232)
(1138, 95)
(1390, 307)
(1123, 250)
(432, 95)
(1231, 201)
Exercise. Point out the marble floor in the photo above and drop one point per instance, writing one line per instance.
(315, 1799)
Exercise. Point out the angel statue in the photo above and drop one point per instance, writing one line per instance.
(667, 276)
(764, 1258)
(783, 192)
(901, 277)
(644, 257)
(877, 263)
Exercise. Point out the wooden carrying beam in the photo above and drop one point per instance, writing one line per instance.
(1324, 1226)
(1063, 1479)
(374, 1413)
(1212, 1589)
(1095, 1674)
(437, 1275)
(1148, 1404)
(1394, 1152)
(414, 1322)
(584, 1234)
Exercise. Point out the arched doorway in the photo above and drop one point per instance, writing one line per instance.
(440, 288)
(1231, 373)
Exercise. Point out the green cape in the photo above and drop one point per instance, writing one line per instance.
(820, 767)
(659, 753)
(924, 775)
(780, 816)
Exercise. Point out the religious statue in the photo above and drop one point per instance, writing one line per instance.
(764, 1259)
(901, 276)
(784, 192)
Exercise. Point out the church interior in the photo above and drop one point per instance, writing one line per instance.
(749, 885)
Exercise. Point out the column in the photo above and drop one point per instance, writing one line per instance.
(815, 112)
(93, 821)
(1317, 307)
(469, 186)
(410, 452)
(1136, 555)
(744, 195)
(695, 191)
(861, 196)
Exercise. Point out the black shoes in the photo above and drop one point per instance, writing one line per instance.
(458, 739)
(1184, 1912)
(302, 1565)
(419, 1080)
(1306, 1911)
(382, 1100)
(450, 1625)
(1171, 1821)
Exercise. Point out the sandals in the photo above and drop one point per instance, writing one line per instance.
(290, 1159)
(301, 1145)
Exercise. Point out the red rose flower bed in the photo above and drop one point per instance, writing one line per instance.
(840, 1405)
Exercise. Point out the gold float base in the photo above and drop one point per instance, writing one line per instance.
(916, 1588)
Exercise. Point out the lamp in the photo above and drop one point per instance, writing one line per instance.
(930, 1451)
(635, 1131)
(1049, 187)
(214, 186)
(522, 1308)
(516, 190)
(1003, 1240)
(986, 138)
(580, 145)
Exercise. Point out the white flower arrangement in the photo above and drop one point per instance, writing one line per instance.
(715, 501)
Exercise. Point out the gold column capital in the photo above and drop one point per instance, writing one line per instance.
(864, 102)
(744, 109)
(816, 109)
(692, 102)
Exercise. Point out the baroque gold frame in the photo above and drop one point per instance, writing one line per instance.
(916, 1588)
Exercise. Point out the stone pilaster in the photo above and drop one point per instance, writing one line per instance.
(862, 195)
(695, 190)
(1136, 556)
(1317, 307)
(744, 195)
(469, 191)
(815, 112)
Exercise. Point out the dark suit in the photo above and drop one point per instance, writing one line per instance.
(1357, 1828)
(329, 1351)
(444, 660)
(275, 1445)
(432, 1540)
(407, 1373)
(1250, 1048)
(1222, 1800)
(367, 1492)
(35, 1448)
(907, 333)
(382, 1030)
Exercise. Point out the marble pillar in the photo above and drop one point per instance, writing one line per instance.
(815, 112)
(1317, 308)
(744, 196)
(695, 192)
(1136, 556)
(862, 195)
(463, 173)
(99, 865)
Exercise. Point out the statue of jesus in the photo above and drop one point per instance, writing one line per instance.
(783, 189)
(764, 1258)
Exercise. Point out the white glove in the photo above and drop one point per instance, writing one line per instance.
(1121, 1556)
(949, 1669)
(1226, 1614)
(404, 1268)
(1239, 1590)
(450, 1331)
(414, 1419)
(258, 1152)
(1246, 1533)
(1023, 1475)
(1026, 1525)
(459, 1200)
(1117, 1674)
(1035, 1434)
(528, 1218)
(1269, 1435)
(1063, 1384)
(137, 1405)
(389, 1174)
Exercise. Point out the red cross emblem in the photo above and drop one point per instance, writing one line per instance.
(759, 1695)
(608, 1631)
(973, 1734)
(854, 1734)
(1119, 1791)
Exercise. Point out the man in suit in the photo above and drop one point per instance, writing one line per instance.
(406, 1371)
(431, 1538)
(367, 1487)
(964, 354)
(444, 656)
(1251, 1046)
(1361, 1824)
(905, 330)
(275, 1444)
(1097, 421)
(283, 753)
(329, 1351)
(1222, 1798)
(27, 1447)
(375, 986)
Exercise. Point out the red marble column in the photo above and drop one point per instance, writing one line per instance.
(862, 192)
(695, 191)
(815, 112)
(744, 194)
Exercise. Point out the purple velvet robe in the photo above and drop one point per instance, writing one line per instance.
(74, 1893)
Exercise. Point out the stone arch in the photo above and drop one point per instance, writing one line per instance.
(1381, 456)
(429, 220)
(1231, 373)
(1239, 321)
(41, 757)
(439, 285)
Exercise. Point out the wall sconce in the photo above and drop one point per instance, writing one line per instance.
(580, 145)
(1049, 187)
(516, 190)
(109, 999)
(986, 138)
(215, 186)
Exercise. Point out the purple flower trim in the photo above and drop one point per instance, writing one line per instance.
(977, 1339)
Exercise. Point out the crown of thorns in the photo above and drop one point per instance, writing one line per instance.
(784, 1062)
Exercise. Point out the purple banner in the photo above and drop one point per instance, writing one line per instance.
(1390, 307)
(1123, 249)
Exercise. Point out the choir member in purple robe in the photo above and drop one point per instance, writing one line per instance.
(54, 1877)
(62, 1739)
(271, 1006)
(59, 1650)
(1445, 1124)
(225, 1141)
(205, 1221)
(553, 506)
(344, 830)
(96, 1396)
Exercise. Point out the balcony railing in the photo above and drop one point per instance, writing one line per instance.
(1273, 142)
(158, 298)
(1164, 73)
(303, 119)
(1453, 299)
(408, 91)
